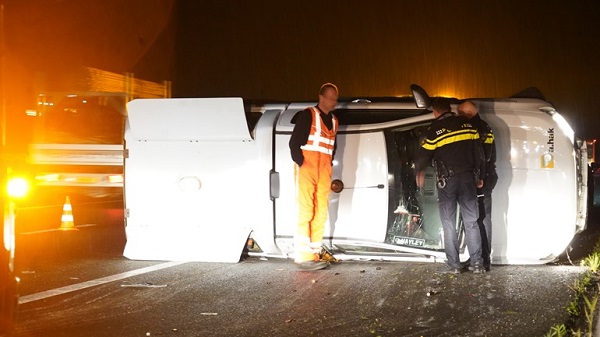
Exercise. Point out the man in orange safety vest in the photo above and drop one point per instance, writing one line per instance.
(312, 147)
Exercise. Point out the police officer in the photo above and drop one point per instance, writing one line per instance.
(453, 144)
(469, 110)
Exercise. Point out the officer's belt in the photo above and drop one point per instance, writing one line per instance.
(459, 169)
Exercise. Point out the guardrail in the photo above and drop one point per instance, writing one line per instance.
(76, 154)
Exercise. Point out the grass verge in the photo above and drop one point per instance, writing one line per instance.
(582, 309)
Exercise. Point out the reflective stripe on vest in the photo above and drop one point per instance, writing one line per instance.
(320, 138)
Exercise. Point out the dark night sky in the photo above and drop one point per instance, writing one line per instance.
(286, 49)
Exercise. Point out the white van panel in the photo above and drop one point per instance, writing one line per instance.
(189, 200)
(359, 212)
(187, 119)
(534, 203)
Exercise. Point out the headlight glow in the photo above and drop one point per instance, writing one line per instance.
(564, 126)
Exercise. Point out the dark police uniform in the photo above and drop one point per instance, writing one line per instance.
(489, 182)
(453, 143)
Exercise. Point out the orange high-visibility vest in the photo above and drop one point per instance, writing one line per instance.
(320, 138)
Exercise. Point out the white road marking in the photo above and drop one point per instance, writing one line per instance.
(93, 283)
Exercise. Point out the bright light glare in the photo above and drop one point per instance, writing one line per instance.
(9, 231)
(115, 179)
(564, 126)
(17, 187)
(48, 177)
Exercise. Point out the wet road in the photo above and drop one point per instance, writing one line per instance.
(113, 296)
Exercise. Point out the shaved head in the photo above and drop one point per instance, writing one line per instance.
(467, 109)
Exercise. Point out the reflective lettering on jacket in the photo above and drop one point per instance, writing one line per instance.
(445, 137)
(320, 138)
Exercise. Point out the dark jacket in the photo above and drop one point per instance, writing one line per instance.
(454, 141)
(486, 135)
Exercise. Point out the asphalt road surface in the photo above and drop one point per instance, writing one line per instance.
(113, 296)
(78, 284)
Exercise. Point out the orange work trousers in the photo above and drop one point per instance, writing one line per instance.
(313, 184)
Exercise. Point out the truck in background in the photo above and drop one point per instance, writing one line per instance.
(76, 152)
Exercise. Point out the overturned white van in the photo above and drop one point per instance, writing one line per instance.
(202, 176)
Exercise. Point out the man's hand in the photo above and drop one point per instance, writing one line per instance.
(420, 178)
(480, 184)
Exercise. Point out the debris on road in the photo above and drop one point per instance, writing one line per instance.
(143, 285)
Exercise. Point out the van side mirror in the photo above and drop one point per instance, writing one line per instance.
(422, 99)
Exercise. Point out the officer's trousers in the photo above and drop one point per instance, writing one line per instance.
(485, 216)
(461, 189)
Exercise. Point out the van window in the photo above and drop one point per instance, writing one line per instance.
(413, 213)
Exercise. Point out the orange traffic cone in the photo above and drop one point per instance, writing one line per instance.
(66, 222)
